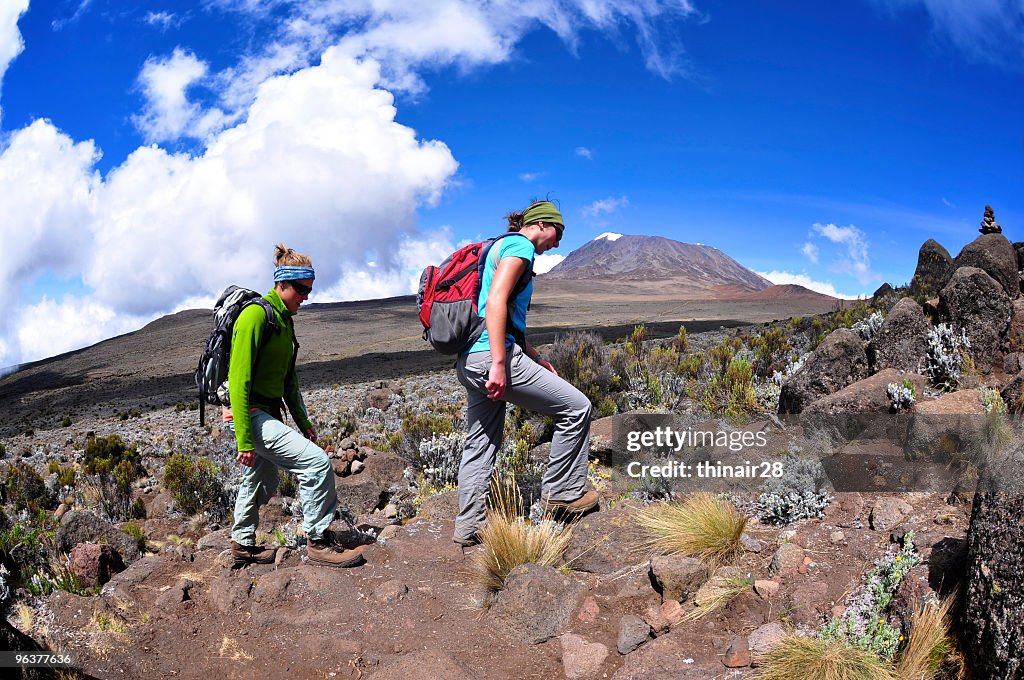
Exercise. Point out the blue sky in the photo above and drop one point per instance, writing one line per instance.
(151, 153)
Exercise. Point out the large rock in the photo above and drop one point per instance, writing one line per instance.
(371, 489)
(996, 256)
(79, 526)
(1015, 333)
(993, 629)
(866, 396)
(975, 302)
(902, 340)
(581, 660)
(838, 361)
(94, 563)
(536, 604)
(633, 632)
(888, 512)
(934, 267)
(946, 429)
(599, 539)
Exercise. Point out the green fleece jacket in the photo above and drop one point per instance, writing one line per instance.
(263, 381)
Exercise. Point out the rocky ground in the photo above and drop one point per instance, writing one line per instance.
(416, 610)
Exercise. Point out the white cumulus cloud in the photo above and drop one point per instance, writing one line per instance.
(782, 278)
(584, 152)
(298, 142)
(856, 260)
(810, 251)
(11, 43)
(545, 262)
(605, 206)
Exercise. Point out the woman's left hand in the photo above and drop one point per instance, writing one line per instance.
(544, 363)
(311, 435)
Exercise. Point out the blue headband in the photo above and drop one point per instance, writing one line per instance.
(293, 273)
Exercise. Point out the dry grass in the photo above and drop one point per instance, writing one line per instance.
(719, 598)
(230, 649)
(929, 644)
(26, 618)
(808, 658)
(509, 541)
(702, 526)
(106, 623)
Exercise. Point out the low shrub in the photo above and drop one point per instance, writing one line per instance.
(945, 356)
(582, 359)
(195, 483)
(797, 494)
(24, 488)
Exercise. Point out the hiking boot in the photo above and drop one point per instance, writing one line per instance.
(584, 503)
(325, 552)
(469, 541)
(252, 554)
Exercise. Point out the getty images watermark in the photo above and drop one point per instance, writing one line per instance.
(840, 452)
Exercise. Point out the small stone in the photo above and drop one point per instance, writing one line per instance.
(656, 620)
(346, 444)
(889, 512)
(633, 632)
(751, 544)
(589, 610)
(225, 559)
(738, 653)
(678, 576)
(837, 536)
(357, 467)
(282, 555)
(766, 588)
(581, 660)
(787, 559)
(341, 467)
(391, 511)
(60, 511)
(898, 534)
(390, 592)
(672, 611)
(763, 639)
(838, 610)
(388, 532)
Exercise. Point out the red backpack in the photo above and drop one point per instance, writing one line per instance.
(448, 294)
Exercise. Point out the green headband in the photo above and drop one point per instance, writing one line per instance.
(542, 211)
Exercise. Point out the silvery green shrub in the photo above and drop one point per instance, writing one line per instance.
(901, 395)
(440, 456)
(945, 358)
(867, 328)
(797, 494)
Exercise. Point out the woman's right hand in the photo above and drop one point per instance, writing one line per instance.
(497, 380)
(246, 458)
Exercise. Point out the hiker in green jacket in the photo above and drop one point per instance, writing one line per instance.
(261, 380)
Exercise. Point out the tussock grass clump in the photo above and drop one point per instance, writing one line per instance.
(510, 541)
(929, 645)
(809, 658)
(719, 598)
(702, 526)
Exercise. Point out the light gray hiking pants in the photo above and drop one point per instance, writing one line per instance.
(534, 388)
(278, 445)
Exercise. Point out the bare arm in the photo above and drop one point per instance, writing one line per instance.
(509, 271)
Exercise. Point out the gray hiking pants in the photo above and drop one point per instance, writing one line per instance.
(534, 388)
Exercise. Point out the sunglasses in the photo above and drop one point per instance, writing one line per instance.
(300, 288)
(559, 229)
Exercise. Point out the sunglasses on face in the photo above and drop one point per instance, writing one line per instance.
(558, 230)
(300, 288)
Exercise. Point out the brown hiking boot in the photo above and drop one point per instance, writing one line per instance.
(584, 503)
(325, 552)
(252, 554)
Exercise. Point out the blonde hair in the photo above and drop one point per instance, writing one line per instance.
(286, 257)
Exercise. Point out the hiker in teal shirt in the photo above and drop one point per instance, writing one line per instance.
(262, 380)
(502, 366)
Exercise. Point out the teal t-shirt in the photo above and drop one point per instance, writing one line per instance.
(510, 246)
